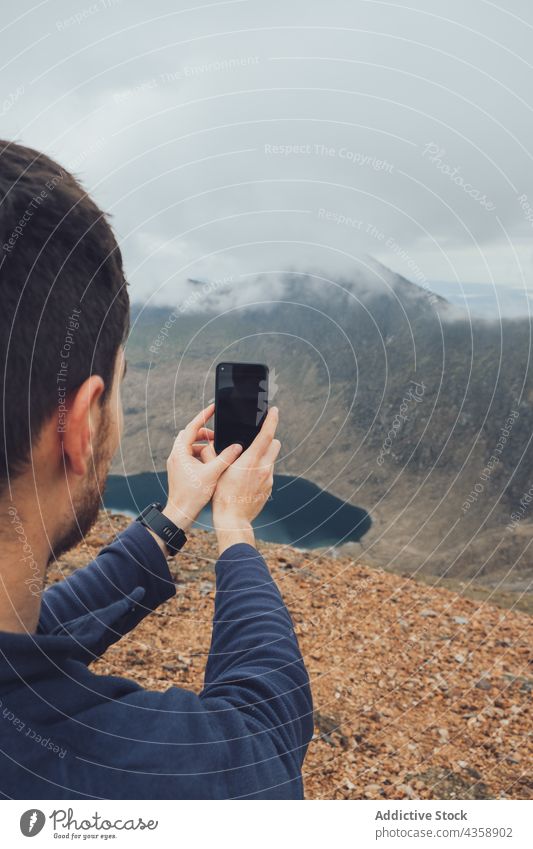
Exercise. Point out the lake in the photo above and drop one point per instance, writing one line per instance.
(298, 513)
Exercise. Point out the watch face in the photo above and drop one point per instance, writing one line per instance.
(148, 510)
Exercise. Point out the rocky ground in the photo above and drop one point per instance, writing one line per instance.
(419, 693)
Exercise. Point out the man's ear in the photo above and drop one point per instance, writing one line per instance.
(81, 422)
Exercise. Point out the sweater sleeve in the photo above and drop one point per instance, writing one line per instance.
(107, 598)
(244, 735)
(255, 670)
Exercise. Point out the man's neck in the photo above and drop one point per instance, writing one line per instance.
(24, 553)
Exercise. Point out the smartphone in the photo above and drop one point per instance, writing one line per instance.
(241, 403)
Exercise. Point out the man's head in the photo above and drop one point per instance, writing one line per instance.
(64, 316)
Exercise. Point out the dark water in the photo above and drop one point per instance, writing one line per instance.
(299, 512)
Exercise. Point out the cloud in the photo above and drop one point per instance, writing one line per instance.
(237, 138)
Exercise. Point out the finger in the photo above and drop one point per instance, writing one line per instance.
(198, 422)
(195, 430)
(265, 436)
(208, 453)
(226, 457)
(198, 449)
(204, 452)
(205, 433)
(269, 457)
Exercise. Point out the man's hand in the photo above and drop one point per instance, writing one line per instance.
(194, 469)
(244, 488)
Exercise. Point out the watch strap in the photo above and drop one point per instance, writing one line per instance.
(153, 518)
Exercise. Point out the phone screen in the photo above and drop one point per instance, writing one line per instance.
(241, 403)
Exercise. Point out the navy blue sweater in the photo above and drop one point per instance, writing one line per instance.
(67, 733)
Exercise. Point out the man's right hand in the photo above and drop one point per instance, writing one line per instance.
(244, 488)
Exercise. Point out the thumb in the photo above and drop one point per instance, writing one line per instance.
(226, 458)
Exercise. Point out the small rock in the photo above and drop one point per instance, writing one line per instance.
(373, 788)
(428, 614)
(330, 731)
(460, 620)
(405, 788)
(473, 772)
(175, 665)
(460, 658)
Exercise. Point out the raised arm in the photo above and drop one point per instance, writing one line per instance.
(255, 679)
(256, 686)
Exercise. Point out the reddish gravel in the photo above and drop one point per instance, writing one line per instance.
(419, 693)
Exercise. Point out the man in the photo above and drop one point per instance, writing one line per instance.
(64, 731)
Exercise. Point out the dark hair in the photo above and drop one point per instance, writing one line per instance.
(64, 305)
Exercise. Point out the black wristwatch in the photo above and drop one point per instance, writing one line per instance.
(152, 517)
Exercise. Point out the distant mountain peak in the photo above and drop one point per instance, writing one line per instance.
(369, 280)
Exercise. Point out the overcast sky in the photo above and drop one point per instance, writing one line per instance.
(230, 138)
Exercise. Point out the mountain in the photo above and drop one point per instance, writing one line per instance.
(390, 398)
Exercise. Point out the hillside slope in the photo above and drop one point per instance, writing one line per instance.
(419, 693)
